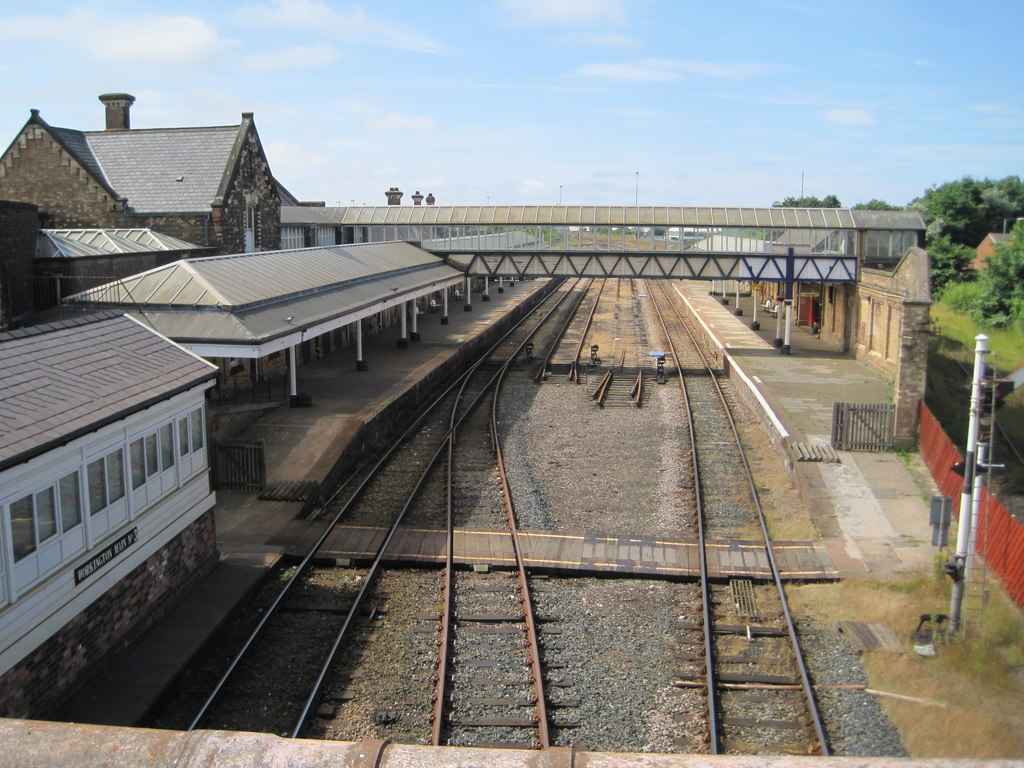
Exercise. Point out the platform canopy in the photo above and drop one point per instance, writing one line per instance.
(253, 304)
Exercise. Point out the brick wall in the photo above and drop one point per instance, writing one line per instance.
(37, 170)
(38, 685)
(19, 224)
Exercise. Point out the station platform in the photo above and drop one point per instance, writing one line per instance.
(870, 505)
(872, 508)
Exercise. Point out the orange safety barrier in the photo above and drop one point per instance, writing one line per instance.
(1001, 535)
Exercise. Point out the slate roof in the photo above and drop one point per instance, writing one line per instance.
(68, 379)
(173, 170)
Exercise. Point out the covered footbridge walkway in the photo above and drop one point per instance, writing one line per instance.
(703, 243)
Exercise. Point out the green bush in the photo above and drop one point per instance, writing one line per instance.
(963, 297)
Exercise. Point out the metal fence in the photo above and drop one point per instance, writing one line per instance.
(1001, 535)
(239, 390)
(239, 465)
(863, 426)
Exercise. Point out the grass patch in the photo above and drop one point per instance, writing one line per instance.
(980, 680)
(948, 393)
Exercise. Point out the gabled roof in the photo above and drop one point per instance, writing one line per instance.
(73, 243)
(250, 298)
(158, 170)
(67, 379)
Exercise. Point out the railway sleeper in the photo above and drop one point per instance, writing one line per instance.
(735, 746)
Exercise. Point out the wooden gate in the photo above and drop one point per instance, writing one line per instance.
(239, 465)
(863, 426)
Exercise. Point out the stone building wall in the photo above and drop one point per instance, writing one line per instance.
(38, 685)
(892, 321)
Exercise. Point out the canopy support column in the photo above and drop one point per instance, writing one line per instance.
(444, 306)
(414, 334)
(360, 363)
(403, 339)
(293, 386)
(468, 306)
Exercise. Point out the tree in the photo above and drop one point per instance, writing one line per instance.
(950, 263)
(877, 205)
(967, 210)
(830, 201)
(1002, 300)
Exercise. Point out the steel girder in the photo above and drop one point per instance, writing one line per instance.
(818, 268)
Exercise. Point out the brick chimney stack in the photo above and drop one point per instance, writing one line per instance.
(430, 198)
(417, 198)
(394, 196)
(118, 106)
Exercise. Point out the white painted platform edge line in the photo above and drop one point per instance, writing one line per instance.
(783, 432)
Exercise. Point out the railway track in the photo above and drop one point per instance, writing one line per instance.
(306, 650)
(749, 663)
(483, 657)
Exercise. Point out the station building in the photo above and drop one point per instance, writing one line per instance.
(106, 511)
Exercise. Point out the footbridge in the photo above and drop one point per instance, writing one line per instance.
(824, 245)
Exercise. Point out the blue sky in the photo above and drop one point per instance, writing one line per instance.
(735, 102)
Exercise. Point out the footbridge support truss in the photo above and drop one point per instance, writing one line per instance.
(785, 267)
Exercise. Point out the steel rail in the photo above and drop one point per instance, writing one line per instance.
(532, 634)
(806, 686)
(574, 367)
(440, 694)
(601, 393)
(711, 691)
(637, 392)
(306, 561)
(446, 445)
(539, 377)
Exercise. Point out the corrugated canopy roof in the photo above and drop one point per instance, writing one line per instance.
(623, 215)
(253, 297)
(245, 279)
(71, 243)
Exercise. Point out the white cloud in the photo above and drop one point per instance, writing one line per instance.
(151, 39)
(529, 187)
(849, 116)
(292, 58)
(567, 12)
(671, 70)
(372, 117)
(352, 25)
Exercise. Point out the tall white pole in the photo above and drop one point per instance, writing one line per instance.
(963, 531)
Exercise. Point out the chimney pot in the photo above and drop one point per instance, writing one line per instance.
(417, 198)
(430, 198)
(118, 107)
(394, 196)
